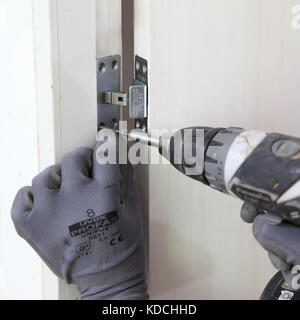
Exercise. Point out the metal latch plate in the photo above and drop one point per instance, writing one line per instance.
(110, 99)
(141, 78)
(138, 101)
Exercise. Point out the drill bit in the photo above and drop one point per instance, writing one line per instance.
(137, 135)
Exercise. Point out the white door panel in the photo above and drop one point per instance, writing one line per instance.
(212, 63)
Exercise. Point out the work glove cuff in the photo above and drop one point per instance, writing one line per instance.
(126, 281)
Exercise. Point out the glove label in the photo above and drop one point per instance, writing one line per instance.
(93, 225)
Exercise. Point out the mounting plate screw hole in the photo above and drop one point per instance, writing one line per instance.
(137, 66)
(115, 65)
(102, 67)
(114, 123)
(101, 126)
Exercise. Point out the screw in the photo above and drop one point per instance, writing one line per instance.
(114, 123)
(102, 67)
(144, 68)
(115, 65)
(101, 126)
(137, 124)
(137, 66)
(144, 128)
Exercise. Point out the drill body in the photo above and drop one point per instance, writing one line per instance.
(259, 168)
(262, 169)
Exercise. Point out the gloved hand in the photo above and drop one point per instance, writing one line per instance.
(84, 220)
(282, 241)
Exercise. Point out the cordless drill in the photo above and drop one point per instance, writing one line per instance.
(259, 168)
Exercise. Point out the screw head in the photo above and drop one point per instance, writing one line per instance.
(115, 65)
(144, 68)
(101, 126)
(137, 124)
(102, 67)
(137, 66)
(114, 123)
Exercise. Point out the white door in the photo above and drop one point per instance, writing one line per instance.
(82, 31)
(212, 63)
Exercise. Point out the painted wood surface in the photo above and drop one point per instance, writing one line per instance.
(81, 32)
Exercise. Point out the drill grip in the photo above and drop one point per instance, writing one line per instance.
(269, 178)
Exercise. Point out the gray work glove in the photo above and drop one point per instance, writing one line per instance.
(281, 239)
(84, 220)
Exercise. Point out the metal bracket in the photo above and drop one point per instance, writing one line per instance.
(138, 101)
(141, 78)
(110, 99)
(108, 79)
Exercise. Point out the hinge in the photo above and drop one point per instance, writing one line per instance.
(110, 99)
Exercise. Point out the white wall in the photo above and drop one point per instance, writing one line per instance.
(20, 267)
(28, 136)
